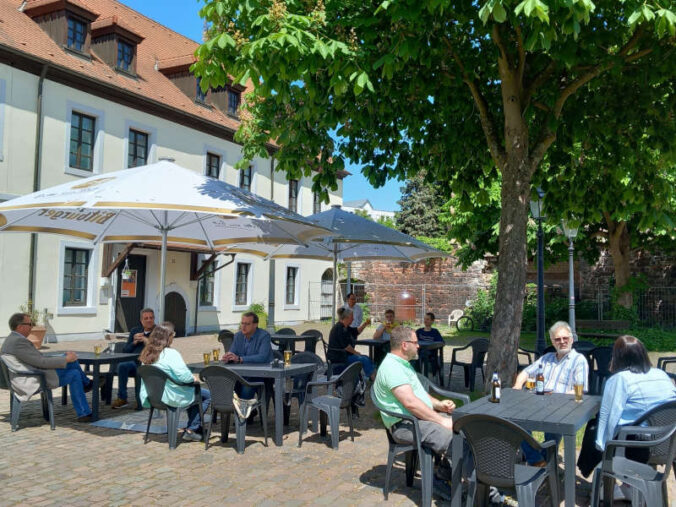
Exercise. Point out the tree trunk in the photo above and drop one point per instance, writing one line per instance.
(620, 250)
(512, 261)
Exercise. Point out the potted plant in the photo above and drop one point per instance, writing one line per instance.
(38, 318)
(259, 309)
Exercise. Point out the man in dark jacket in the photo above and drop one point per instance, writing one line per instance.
(59, 370)
(138, 337)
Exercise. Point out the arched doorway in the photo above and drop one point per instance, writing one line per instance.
(175, 311)
(326, 294)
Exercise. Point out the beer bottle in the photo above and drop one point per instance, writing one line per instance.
(495, 389)
(540, 381)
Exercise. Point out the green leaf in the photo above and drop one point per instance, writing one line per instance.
(634, 18)
(499, 13)
(225, 40)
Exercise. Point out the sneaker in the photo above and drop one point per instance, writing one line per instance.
(494, 496)
(119, 403)
(441, 489)
(191, 436)
(85, 419)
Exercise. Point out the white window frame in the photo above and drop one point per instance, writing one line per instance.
(201, 258)
(296, 303)
(151, 132)
(207, 148)
(249, 286)
(90, 308)
(2, 119)
(97, 158)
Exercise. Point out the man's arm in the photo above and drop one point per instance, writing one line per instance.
(379, 332)
(404, 393)
(529, 370)
(29, 355)
(129, 346)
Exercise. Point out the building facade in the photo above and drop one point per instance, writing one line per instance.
(89, 87)
(364, 205)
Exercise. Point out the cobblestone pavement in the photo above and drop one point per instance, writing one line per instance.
(80, 464)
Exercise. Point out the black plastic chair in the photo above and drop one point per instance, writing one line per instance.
(601, 357)
(416, 453)
(291, 345)
(313, 337)
(14, 403)
(332, 368)
(155, 379)
(299, 382)
(226, 337)
(330, 405)
(495, 444)
(663, 362)
(479, 350)
(644, 480)
(222, 383)
(528, 354)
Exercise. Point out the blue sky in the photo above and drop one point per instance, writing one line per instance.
(181, 16)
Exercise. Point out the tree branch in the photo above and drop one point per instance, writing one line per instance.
(522, 54)
(487, 124)
(497, 40)
(535, 84)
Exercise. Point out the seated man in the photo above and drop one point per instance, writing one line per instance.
(561, 369)
(341, 345)
(397, 388)
(59, 370)
(250, 345)
(383, 333)
(138, 337)
(429, 334)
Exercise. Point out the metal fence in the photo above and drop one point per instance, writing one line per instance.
(655, 306)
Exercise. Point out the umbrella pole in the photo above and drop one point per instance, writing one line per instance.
(335, 277)
(163, 267)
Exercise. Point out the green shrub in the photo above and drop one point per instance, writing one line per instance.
(655, 339)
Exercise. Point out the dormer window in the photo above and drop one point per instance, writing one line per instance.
(200, 96)
(77, 34)
(125, 56)
(233, 102)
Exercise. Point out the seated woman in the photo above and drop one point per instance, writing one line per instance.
(633, 389)
(159, 354)
(341, 345)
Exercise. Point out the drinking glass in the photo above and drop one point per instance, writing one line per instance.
(206, 356)
(579, 387)
(216, 353)
(97, 350)
(287, 358)
(530, 383)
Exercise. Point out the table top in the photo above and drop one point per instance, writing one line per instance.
(371, 342)
(553, 412)
(289, 337)
(259, 369)
(102, 358)
(426, 344)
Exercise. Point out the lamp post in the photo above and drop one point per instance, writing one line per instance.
(570, 232)
(536, 210)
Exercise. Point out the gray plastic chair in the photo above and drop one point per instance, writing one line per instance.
(155, 379)
(15, 404)
(222, 383)
(479, 350)
(495, 444)
(663, 362)
(226, 338)
(416, 453)
(645, 480)
(314, 336)
(299, 382)
(329, 405)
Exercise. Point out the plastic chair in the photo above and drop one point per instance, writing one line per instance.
(529, 357)
(299, 382)
(663, 362)
(14, 403)
(601, 357)
(332, 368)
(222, 383)
(479, 350)
(415, 452)
(291, 345)
(313, 337)
(329, 405)
(495, 444)
(643, 478)
(454, 316)
(226, 337)
(155, 379)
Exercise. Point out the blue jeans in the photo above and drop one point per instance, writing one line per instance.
(248, 393)
(366, 363)
(194, 422)
(124, 371)
(532, 456)
(73, 376)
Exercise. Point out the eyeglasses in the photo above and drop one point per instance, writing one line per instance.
(416, 343)
(31, 324)
(561, 339)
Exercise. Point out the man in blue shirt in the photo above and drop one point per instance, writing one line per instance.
(250, 345)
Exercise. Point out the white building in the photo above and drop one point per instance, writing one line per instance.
(365, 206)
(92, 86)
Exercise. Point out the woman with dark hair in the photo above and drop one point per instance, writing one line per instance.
(633, 389)
(158, 352)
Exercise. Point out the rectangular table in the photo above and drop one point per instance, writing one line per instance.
(554, 413)
(267, 371)
(89, 358)
(284, 341)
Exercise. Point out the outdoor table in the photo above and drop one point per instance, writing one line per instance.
(266, 371)
(372, 344)
(89, 358)
(553, 413)
(284, 341)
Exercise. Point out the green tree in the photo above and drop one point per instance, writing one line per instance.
(420, 205)
(467, 90)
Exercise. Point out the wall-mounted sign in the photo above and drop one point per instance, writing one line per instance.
(128, 289)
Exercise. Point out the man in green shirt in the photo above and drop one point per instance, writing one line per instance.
(397, 388)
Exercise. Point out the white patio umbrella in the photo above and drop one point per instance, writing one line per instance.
(161, 203)
(354, 239)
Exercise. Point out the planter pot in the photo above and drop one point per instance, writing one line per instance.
(37, 336)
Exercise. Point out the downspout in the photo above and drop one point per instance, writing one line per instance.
(32, 258)
(271, 262)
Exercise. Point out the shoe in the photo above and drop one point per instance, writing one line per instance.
(119, 403)
(444, 470)
(85, 419)
(494, 496)
(542, 463)
(252, 416)
(441, 489)
(193, 436)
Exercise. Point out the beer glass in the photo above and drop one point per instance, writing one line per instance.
(287, 357)
(97, 350)
(206, 356)
(530, 383)
(579, 387)
(216, 353)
